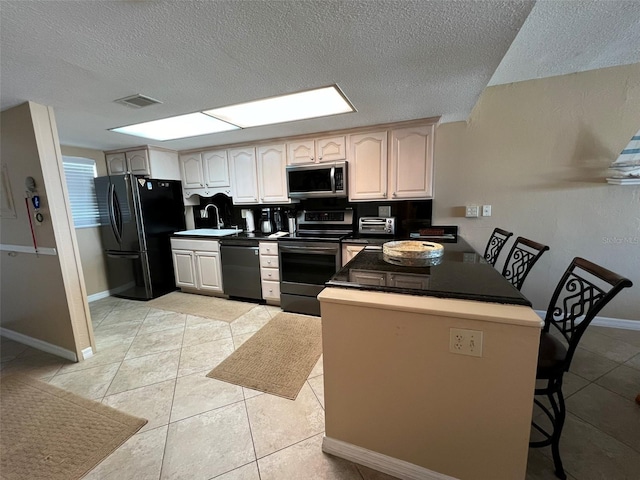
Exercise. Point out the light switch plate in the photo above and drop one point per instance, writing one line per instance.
(472, 211)
(486, 210)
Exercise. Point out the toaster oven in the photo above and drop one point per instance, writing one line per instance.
(377, 225)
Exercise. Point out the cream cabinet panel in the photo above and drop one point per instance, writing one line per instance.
(244, 176)
(301, 152)
(216, 168)
(270, 271)
(116, 163)
(272, 183)
(331, 149)
(208, 269)
(368, 166)
(368, 277)
(138, 161)
(408, 280)
(184, 268)
(191, 170)
(271, 291)
(411, 161)
(350, 251)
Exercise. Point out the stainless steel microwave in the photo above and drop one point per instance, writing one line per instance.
(317, 180)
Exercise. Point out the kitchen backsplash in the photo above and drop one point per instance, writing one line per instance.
(408, 212)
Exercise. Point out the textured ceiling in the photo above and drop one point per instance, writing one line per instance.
(395, 60)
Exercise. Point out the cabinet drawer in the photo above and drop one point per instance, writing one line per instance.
(268, 248)
(272, 274)
(270, 289)
(191, 244)
(268, 261)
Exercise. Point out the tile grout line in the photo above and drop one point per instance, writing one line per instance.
(253, 443)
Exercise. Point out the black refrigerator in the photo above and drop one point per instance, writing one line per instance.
(138, 216)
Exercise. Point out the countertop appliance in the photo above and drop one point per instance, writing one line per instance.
(266, 221)
(377, 226)
(310, 257)
(240, 260)
(137, 216)
(317, 180)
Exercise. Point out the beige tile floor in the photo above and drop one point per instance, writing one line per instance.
(152, 363)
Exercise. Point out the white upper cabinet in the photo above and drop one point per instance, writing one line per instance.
(368, 166)
(411, 162)
(191, 170)
(244, 175)
(116, 163)
(150, 162)
(329, 149)
(272, 183)
(216, 168)
(138, 162)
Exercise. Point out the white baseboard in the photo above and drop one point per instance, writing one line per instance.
(98, 296)
(607, 322)
(378, 461)
(39, 344)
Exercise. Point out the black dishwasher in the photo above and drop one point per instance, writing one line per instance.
(240, 268)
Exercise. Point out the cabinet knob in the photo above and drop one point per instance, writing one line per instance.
(201, 185)
(384, 195)
(395, 194)
(319, 159)
(269, 262)
(312, 159)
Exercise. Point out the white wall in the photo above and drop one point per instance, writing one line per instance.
(538, 152)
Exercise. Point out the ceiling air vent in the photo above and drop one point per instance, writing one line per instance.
(137, 101)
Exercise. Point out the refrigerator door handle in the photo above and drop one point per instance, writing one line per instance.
(111, 207)
(117, 213)
(128, 256)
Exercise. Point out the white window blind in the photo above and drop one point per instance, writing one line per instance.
(79, 173)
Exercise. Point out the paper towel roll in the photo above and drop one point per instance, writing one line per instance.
(248, 216)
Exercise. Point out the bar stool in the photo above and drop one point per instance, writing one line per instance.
(581, 293)
(495, 244)
(522, 257)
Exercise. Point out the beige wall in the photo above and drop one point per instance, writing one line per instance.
(42, 297)
(538, 152)
(89, 243)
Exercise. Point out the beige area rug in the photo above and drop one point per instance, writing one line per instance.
(48, 433)
(202, 306)
(277, 359)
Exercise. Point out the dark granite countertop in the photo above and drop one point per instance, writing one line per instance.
(462, 274)
(239, 236)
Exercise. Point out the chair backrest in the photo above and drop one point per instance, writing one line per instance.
(496, 241)
(522, 257)
(581, 293)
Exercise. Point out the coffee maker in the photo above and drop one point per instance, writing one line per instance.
(266, 221)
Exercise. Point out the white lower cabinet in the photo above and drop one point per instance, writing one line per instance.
(196, 264)
(270, 272)
(350, 251)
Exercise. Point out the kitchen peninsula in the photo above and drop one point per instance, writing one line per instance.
(429, 371)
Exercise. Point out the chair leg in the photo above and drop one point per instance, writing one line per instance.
(560, 414)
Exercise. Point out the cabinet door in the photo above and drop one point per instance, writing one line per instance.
(412, 162)
(191, 170)
(208, 270)
(116, 163)
(272, 183)
(331, 149)
(138, 162)
(183, 268)
(350, 251)
(368, 277)
(216, 168)
(300, 152)
(244, 176)
(368, 166)
(408, 280)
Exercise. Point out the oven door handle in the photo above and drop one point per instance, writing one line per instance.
(307, 249)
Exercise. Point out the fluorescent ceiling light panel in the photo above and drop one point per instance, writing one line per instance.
(285, 108)
(182, 126)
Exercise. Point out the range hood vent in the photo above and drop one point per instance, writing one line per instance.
(137, 101)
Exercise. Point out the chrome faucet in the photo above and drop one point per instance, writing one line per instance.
(219, 223)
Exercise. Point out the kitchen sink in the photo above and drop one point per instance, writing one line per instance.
(210, 232)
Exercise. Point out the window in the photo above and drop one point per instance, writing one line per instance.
(79, 173)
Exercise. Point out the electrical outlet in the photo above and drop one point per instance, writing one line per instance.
(465, 342)
(384, 211)
(472, 211)
(486, 210)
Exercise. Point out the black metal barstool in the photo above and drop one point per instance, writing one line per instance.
(581, 293)
(522, 257)
(495, 244)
